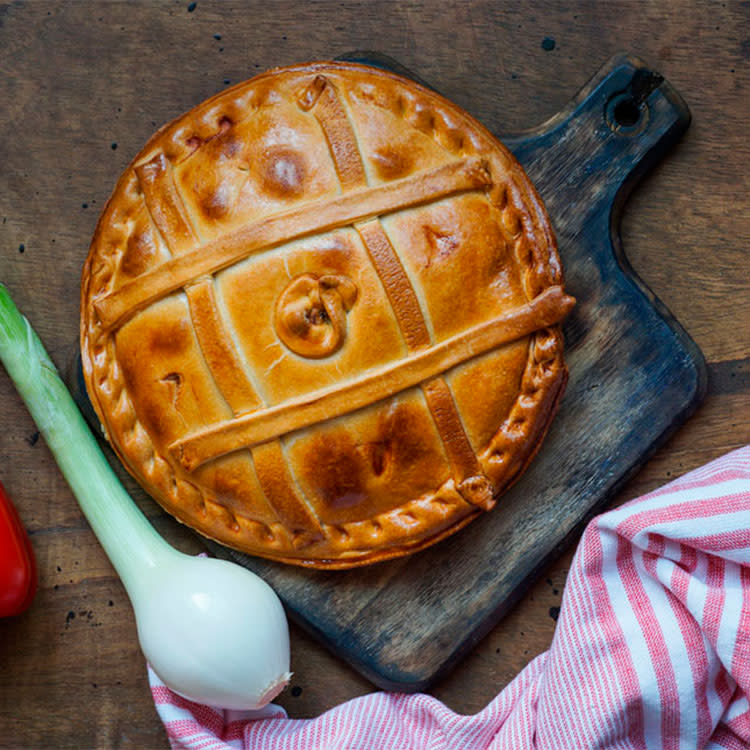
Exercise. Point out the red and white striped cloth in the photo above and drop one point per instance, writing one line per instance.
(651, 650)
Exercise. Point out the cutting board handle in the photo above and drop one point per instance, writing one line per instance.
(596, 148)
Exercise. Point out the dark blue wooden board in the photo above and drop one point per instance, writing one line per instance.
(635, 376)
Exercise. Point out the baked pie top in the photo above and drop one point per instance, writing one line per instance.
(320, 317)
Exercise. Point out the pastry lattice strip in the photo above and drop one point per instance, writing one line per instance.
(548, 309)
(313, 218)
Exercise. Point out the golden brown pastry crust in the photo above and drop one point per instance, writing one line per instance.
(320, 317)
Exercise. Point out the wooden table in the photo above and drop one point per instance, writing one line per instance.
(82, 87)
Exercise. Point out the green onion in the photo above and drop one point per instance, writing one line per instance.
(213, 631)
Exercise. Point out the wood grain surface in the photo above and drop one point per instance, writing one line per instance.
(84, 84)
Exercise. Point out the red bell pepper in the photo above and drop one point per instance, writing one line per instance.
(18, 579)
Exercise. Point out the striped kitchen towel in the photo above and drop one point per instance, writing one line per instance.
(651, 650)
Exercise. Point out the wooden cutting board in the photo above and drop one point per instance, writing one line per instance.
(635, 376)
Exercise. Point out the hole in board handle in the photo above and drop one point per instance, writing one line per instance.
(625, 115)
(627, 111)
